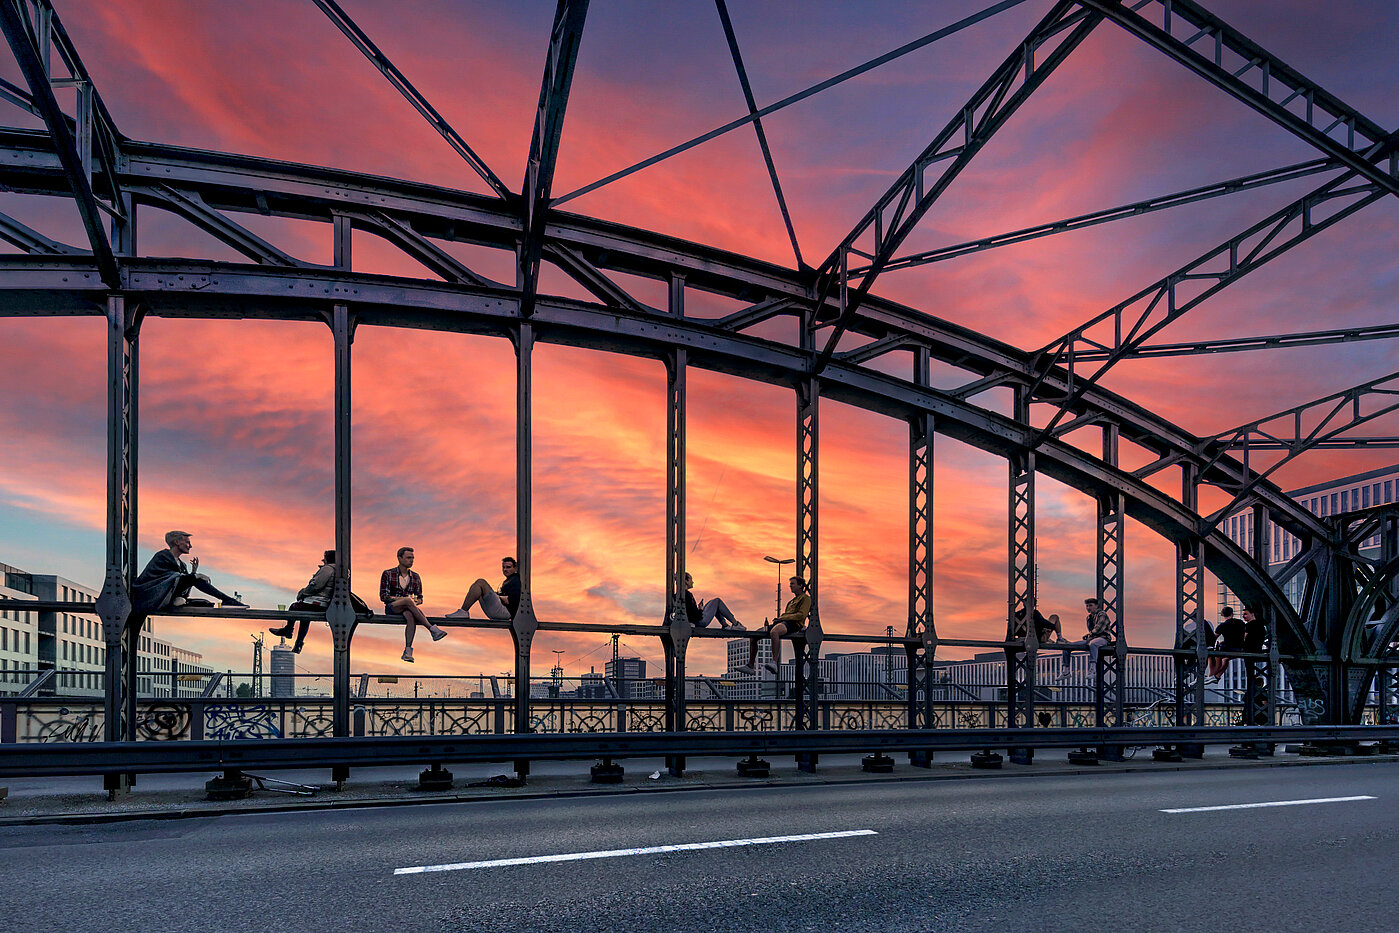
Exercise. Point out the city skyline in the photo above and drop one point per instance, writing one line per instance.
(235, 416)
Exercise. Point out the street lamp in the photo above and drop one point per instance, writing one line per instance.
(780, 564)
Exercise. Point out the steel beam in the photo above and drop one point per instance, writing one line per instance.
(1231, 61)
(1111, 670)
(920, 559)
(677, 639)
(808, 538)
(420, 103)
(191, 206)
(340, 614)
(1118, 331)
(1022, 589)
(884, 227)
(564, 40)
(1190, 593)
(27, 56)
(1121, 212)
(524, 624)
(114, 602)
(758, 127)
(1313, 338)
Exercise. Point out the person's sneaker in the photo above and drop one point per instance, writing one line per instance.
(408, 655)
(235, 604)
(459, 614)
(770, 668)
(746, 669)
(284, 632)
(737, 627)
(437, 633)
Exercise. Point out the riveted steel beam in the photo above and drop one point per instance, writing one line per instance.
(564, 40)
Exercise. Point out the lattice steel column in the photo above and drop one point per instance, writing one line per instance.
(1258, 692)
(1112, 660)
(340, 614)
(114, 602)
(1190, 589)
(1020, 608)
(524, 625)
(808, 506)
(677, 640)
(920, 565)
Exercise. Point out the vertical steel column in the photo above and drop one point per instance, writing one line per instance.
(524, 625)
(806, 653)
(340, 613)
(920, 566)
(677, 639)
(1112, 660)
(1190, 588)
(1258, 691)
(114, 602)
(1020, 602)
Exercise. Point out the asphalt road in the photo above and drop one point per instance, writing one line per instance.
(1091, 852)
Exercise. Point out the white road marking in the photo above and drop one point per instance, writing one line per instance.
(647, 850)
(1271, 803)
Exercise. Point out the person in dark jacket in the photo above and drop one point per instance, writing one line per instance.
(1228, 636)
(313, 597)
(167, 580)
(500, 604)
(705, 611)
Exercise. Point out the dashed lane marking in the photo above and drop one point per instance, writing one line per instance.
(646, 850)
(1270, 803)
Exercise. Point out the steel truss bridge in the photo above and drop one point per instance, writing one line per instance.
(1335, 648)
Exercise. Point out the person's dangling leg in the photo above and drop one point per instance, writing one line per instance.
(204, 585)
(301, 631)
(474, 594)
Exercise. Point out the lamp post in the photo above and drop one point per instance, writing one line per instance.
(780, 564)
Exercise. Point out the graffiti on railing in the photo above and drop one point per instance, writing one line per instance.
(62, 724)
(237, 721)
(163, 722)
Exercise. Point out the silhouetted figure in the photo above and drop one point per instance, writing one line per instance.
(792, 619)
(703, 612)
(313, 597)
(501, 604)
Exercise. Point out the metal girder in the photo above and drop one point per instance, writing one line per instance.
(401, 234)
(564, 40)
(1311, 338)
(340, 613)
(921, 439)
(571, 261)
(1126, 326)
(1022, 585)
(371, 51)
(1190, 593)
(113, 604)
(801, 95)
(1299, 429)
(874, 349)
(1135, 209)
(758, 128)
(191, 206)
(1111, 580)
(1248, 72)
(756, 314)
(677, 639)
(28, 57)
(885, 226)
(31, 240)
(524, 624)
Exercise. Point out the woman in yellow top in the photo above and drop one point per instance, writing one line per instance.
(792, 619)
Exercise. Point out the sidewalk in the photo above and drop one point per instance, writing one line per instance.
(176, 796)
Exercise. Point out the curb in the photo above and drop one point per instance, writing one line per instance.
(958, 772)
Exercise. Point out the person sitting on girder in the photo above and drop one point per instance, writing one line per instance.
(703, 612)
(167, 580)
(313, 597)
(401, 590)
(1228, 636)
(792, 619)
(501, 604)
(1099, 630)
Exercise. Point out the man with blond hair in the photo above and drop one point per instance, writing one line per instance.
(167, 580)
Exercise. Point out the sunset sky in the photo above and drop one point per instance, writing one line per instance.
(236, 415)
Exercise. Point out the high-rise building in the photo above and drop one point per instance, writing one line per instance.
(283, 672)
(628, 676)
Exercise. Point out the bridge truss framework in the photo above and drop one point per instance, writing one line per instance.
(1332, 648)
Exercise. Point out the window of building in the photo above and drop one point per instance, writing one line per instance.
(1376, 489)
(1388, 491)
(1364, 497)
(1345, 500)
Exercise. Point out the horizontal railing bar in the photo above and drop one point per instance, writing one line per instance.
(149, 757)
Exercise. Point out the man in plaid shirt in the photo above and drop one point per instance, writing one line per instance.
(401, 590)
